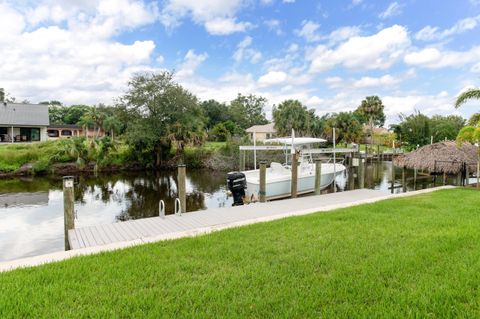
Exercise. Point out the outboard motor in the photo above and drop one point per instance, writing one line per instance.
(236, 184)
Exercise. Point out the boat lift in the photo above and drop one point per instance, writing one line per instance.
(297, 141)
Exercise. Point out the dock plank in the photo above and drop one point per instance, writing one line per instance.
(155, 226)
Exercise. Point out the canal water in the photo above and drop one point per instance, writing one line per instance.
(31, 209)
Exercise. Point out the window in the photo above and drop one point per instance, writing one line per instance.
(52, 133)
(66, 133)
(3, 130)
(28, 134)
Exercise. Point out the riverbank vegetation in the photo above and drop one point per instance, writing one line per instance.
(407, 257)
(157, 123)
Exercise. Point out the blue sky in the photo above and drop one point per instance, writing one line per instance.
(415, 54)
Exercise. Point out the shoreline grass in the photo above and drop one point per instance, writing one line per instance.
(406, 257)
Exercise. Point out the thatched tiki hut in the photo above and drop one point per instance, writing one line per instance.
(443, 157)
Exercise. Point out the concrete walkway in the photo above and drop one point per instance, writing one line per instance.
(94, 239)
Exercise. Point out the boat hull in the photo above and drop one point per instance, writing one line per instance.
(279, 185)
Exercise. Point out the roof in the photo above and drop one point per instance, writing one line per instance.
(23, 114)
(296, 140)
(72, 126)
(376, 130)
(443, 157)
(267, 128)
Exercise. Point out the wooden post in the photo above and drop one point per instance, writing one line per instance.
(404, 185)
(361, 173)
(68, 207)
(318, 176)
(378, 152)
(393, 170)
(262, 192)
(444, 178)
(182, 194)
(478, 171)
(242, 160)
(467, 175)
(294, 181)
(414, 178)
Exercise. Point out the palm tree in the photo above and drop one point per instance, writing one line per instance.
(466, 96)
(372, 107)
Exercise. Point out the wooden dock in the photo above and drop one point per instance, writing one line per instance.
(201, 221)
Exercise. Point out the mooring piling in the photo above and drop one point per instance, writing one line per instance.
(161, 209)
(318, 176)
(294, 175)
(361, 172)
(182, 194)
(262, 192)
(68, 207)
(415, 178)
(393, 170)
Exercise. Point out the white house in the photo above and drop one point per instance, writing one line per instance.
(262, 132)
(21, 122)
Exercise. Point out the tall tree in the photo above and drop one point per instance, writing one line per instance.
(466, 96)
(292, 114)
(248, 110)
(372, 108)
(161, 113)
(415, 130)
(474, 120)
(215, 112)
(347, 127)
(445, 127)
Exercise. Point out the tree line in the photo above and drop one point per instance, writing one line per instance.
(157, 118)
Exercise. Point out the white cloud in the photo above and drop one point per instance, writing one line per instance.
(434, 58)
(218, 16)
(274, 25)
(78, 63)
(476, 68)
(288, 1)
(244, 52)
(309, 31)
(314, 101)
(367, 81)
(392, 10)
(334, 82)
(343, 33)
(191, 62)
(224, 26)
(379, 51)
(12, 23)
(356, 2)
(272, 78)
(430, 33)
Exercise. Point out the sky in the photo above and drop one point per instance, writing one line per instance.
(414, 54)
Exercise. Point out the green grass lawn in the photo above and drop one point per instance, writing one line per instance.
(410, 257)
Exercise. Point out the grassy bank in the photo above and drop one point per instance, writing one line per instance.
(412, 257)
(41, 157)
(46, 157)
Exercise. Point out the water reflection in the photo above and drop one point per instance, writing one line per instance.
(31, 209)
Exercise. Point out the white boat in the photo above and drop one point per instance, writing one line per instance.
(278, 176)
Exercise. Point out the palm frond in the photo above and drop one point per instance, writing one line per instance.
(466, 96)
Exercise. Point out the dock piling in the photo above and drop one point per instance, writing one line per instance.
(262, 192)
(318, 176)
(393, 170)
(361, 172)
(294, 175)
(182, 195)
(68, 207)
(161, 209)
